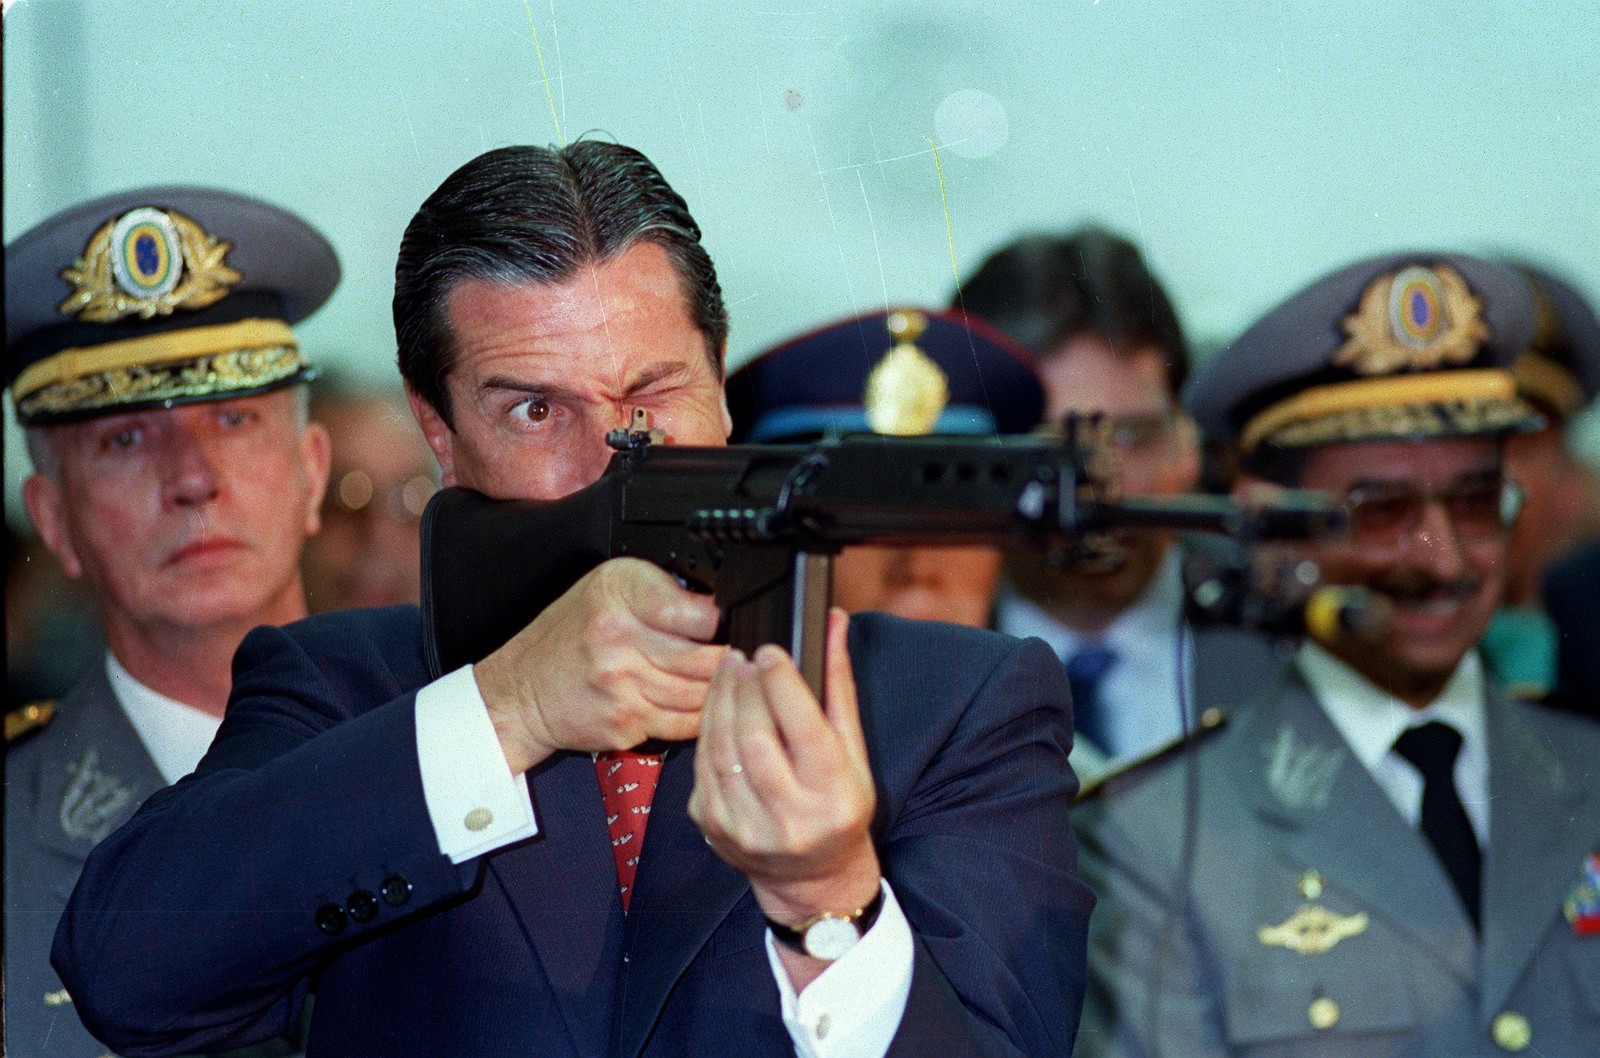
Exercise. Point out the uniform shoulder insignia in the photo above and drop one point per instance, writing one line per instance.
(1211, 721)
(30, 718)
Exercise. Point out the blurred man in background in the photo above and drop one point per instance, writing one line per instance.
(367, 553)
(151, 362)
(1385, 854)
(1107, 341)
(1559, 374)
(905, 372)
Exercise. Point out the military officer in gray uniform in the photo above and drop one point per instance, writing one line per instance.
(151, 361)
(1383, 854)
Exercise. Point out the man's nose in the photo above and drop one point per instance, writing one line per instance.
(190, 473)
(1436, 542)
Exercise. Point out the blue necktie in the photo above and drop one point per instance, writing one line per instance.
(1085, 671)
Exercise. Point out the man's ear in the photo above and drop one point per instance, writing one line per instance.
(722, 391)
(316, 456)
(42, 498)
(438, 434)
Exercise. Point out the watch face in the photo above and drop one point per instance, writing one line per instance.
(829, 938)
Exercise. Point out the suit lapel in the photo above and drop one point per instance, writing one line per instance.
(682, 893)
(1338, 822)
(1535, 852)
(572, 923)
(97, 773)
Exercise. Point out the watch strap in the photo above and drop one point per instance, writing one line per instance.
(794, 937)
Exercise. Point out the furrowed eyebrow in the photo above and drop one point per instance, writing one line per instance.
(651, 375)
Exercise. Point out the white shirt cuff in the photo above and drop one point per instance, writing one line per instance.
(476, 804)
(853, 1009)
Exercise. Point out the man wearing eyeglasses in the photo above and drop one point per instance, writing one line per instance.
(1107, 341)
(1386, 854)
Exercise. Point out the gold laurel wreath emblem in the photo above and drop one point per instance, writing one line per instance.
(1374, 349)
(97, 298)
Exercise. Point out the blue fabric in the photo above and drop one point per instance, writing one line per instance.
(1085, 671)
(195, 925)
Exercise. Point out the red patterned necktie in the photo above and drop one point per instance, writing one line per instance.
(627, 786)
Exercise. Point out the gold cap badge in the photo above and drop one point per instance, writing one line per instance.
(146, 263)
(906, 392)
(1414, 319)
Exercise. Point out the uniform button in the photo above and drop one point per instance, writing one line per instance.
(362, 905)
(823, 1025)
(396, 890)
(1324, 1013)
(478, 819)
(1512, 1031)
(330, 919)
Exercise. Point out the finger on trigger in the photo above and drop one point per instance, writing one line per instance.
(795, 710)
(840, 703)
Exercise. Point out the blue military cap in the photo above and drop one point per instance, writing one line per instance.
(156, 297)
(1560, 370)
(1407, 346)
(903, 372)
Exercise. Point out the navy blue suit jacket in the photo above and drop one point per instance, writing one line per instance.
(195, 926)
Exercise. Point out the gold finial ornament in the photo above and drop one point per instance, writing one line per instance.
(1415, 319)
(907, 391)
(146, 263)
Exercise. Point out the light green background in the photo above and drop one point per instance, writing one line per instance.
(1249, 145)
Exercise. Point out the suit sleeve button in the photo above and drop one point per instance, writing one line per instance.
(396, 890)
(330, 919)
(362, 905)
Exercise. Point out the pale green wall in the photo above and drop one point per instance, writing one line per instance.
(1248, 145)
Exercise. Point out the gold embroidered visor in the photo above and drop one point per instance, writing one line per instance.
(1459, 403)
(160, 370)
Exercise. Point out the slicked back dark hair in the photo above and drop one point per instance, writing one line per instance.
(1044, 290)
(538, 214)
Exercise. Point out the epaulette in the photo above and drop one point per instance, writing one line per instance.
(30, 718)
(1211, 720)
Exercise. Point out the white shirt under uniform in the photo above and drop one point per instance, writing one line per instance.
(851, 1010)
(1370, 719)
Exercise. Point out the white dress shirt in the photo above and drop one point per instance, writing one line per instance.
(851, 1010)
(175, 735)
(1370, 719)
(1139, 696)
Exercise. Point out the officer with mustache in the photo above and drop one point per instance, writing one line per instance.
(1388, 854)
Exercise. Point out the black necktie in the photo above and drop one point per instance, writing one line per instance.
(1432, 748)
(1085, 671)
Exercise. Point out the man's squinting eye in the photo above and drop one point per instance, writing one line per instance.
(534, 409)
(234, 418)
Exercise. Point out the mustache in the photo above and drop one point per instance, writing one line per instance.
(1405, 588)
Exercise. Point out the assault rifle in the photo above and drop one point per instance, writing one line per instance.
(757, 526)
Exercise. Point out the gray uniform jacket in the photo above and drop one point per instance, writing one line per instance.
(66, 788)
(1366, 950)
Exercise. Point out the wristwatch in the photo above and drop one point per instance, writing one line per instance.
(828, 936)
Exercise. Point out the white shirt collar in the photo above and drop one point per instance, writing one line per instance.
(174, 734)
(1370, 719)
